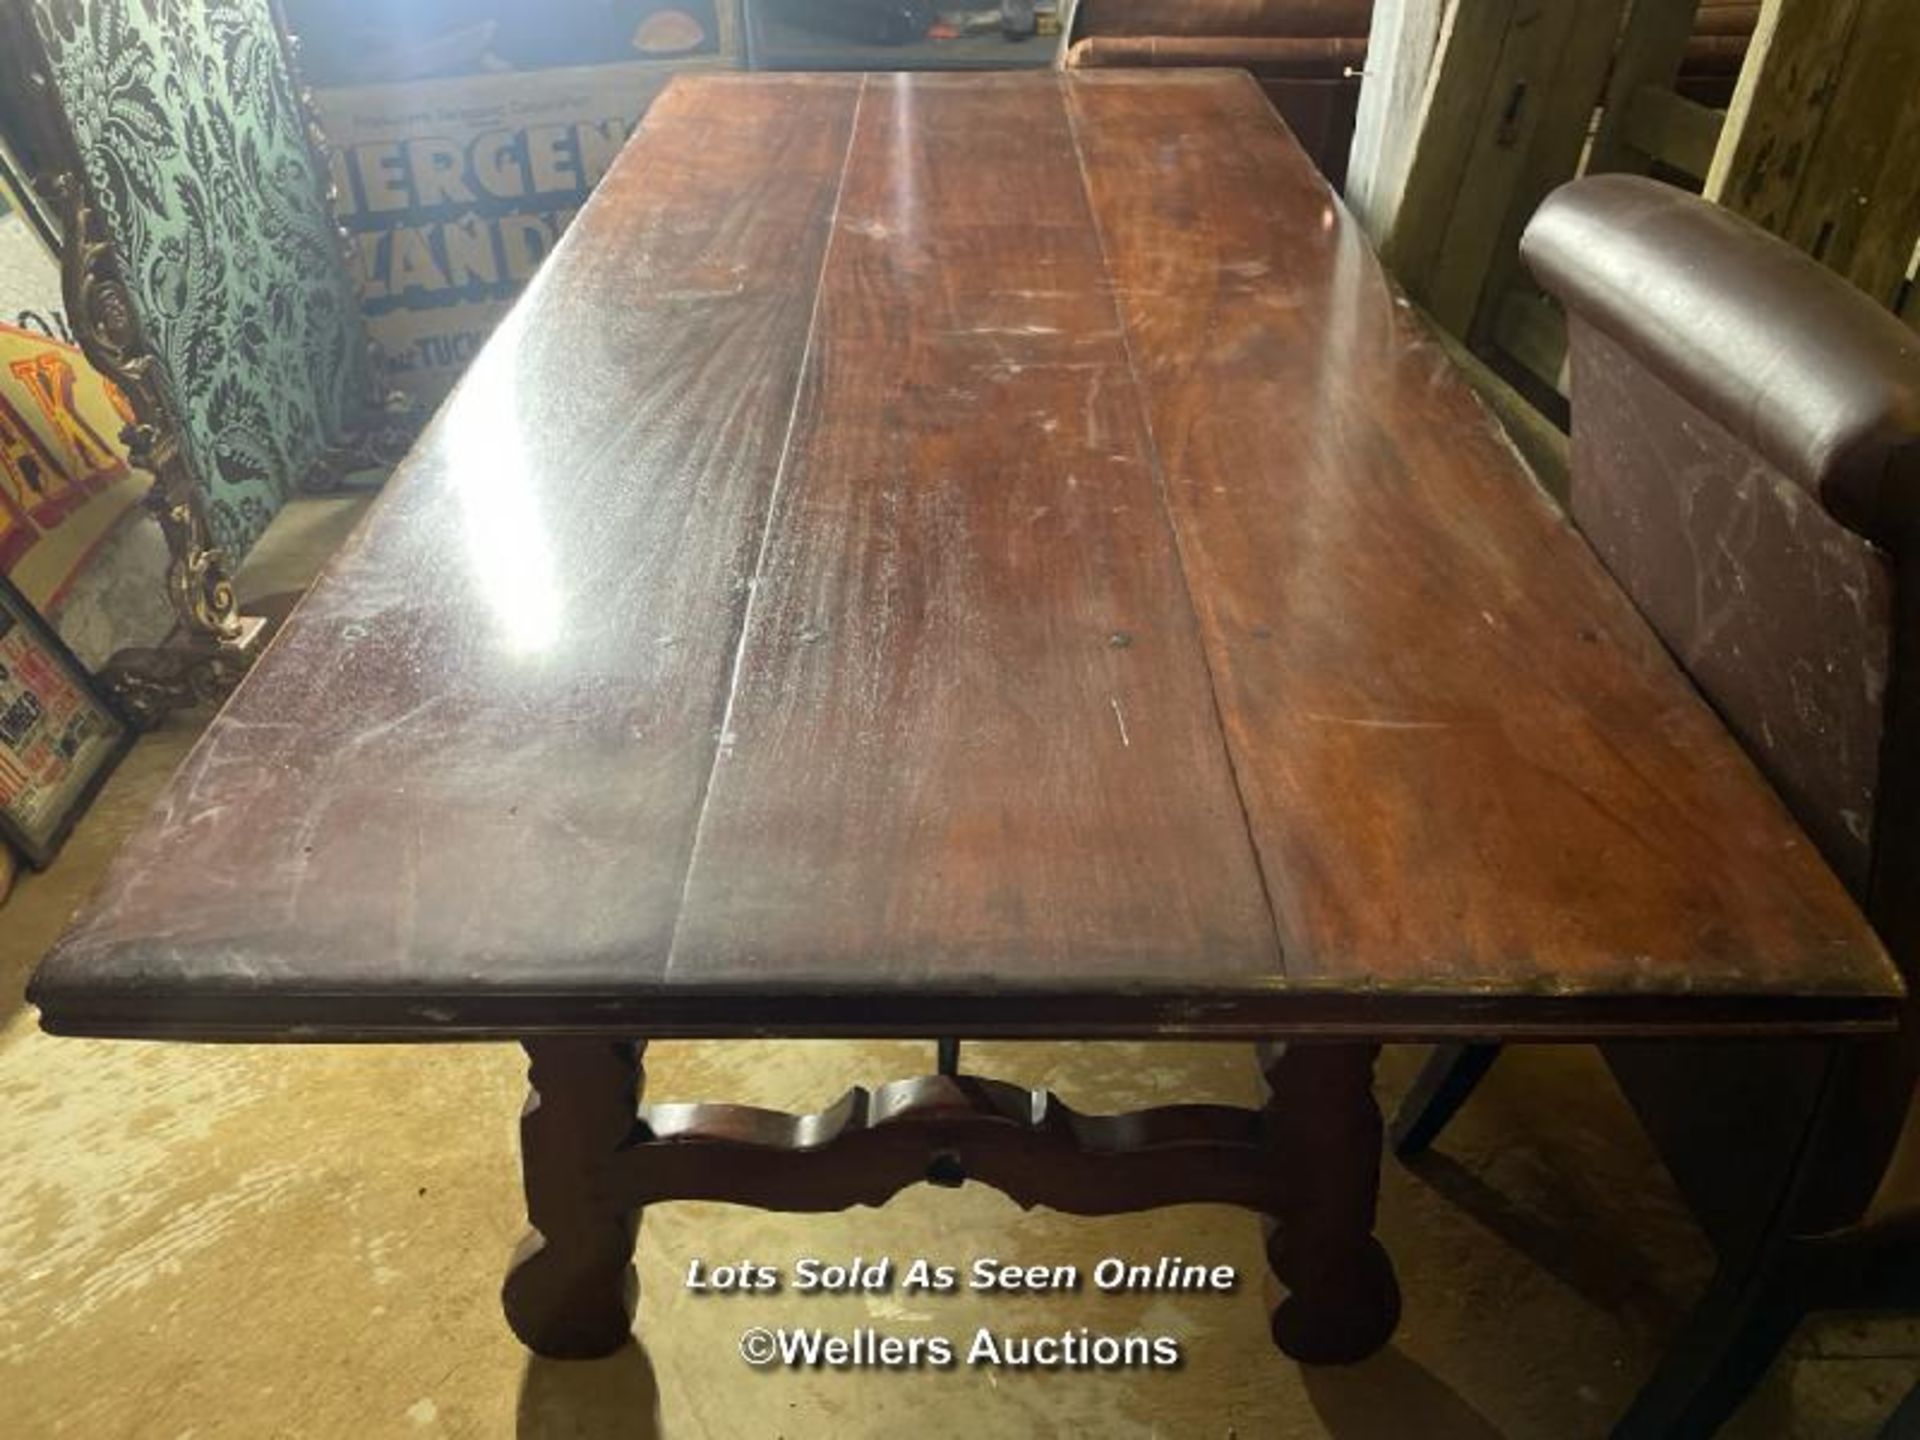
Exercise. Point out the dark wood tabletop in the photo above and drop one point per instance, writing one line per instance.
(975, 554)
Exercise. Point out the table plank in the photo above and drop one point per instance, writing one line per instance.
(1467, 763)
(973, 735)
(476, 755)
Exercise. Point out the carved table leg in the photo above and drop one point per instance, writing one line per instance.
(571, 1289)
(1321, 1120)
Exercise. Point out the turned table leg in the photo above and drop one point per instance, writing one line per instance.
(1321, 1120)
(571, 1289)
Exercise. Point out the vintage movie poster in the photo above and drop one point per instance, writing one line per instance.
(72, 535)
(466, 136)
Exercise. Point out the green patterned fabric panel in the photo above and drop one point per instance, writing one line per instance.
(195, 143)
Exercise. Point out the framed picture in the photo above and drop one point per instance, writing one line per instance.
(59, 738)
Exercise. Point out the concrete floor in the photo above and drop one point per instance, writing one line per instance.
(248, 1241)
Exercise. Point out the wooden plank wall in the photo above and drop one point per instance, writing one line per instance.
(1822, 143)
(1473, 110)
(1469, 130)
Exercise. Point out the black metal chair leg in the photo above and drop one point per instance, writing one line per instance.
(1445, 1082)
(1722, 1351)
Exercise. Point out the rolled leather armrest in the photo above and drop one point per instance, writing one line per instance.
(1781, 352)
(1293, 19)
(1293, 59)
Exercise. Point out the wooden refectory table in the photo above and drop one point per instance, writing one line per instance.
(986, 556)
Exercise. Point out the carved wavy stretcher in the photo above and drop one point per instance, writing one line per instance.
(869, 1145)
(1308, 1160)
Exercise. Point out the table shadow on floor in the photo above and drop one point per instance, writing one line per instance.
(612, 1399)
(1597, 1266)
(1391, 1394)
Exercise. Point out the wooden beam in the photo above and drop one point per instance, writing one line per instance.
(1653, 42)
(1792, 68)
(1536, 102)
(1665, 126)
(1401, 44)
(1551, 75)
(1471, 36)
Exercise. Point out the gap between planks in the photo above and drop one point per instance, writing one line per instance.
(801, 373)
(1063, 88)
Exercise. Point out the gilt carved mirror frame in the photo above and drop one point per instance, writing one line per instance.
(215, 641)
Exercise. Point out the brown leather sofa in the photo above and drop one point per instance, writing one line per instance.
(1308, 54)
(1746, 462)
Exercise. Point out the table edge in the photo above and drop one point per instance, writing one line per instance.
(1137, 1012)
